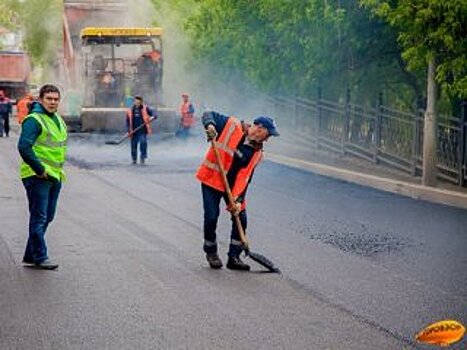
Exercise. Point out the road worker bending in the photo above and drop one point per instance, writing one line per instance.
(240, 146)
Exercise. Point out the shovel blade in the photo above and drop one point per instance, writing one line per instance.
(262, 260)
(113, 142)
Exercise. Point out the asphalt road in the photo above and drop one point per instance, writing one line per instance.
(361, 269)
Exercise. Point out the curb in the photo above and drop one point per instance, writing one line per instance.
(407, 189)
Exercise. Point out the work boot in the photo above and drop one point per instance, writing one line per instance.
(47, 265)
(214, 261)
(235, 263)
(28, 262)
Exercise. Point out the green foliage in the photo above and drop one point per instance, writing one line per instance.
(292, 47)
(42, 24)
(431, 29)
(9, 14)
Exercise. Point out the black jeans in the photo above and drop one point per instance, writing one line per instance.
(211, 203)
(42, 198)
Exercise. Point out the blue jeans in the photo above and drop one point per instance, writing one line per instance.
(42, 198)
(4, 125)
(143, 146)
(211, 203)
(183, 132)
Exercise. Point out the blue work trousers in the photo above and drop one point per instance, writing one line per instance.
(42, 198)
(211, 203)
(183, 132)
(141, 139)
(4, 125)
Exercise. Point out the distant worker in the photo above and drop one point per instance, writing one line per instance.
(186, 117)
(98, 63)
(5, 111)
(240, 147)
(128, 98)
(23, 107)
(42, 146)
(138, 115)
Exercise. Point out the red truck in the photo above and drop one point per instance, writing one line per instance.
(15, 71)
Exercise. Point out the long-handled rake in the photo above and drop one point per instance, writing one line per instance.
(128, 134)
(260, 259)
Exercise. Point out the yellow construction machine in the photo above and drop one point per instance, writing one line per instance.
(108, 66)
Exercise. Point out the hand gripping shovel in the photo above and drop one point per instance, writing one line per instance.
(128, 134)
(260, 259)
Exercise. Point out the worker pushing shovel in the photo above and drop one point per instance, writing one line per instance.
(128, 134)
(236, 150)
(138, 120)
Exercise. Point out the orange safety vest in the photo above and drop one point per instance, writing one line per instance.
(187, 116)
(129, 115)
(22, 109)
(227, 142)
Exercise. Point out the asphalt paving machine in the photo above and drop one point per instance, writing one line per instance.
(106, 66)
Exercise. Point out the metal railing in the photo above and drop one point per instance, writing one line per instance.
(380, 134)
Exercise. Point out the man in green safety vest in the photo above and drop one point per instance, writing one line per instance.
(42, 146)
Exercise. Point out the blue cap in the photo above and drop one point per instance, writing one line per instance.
(268, 123)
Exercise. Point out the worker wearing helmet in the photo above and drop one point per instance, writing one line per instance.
(240, 146)
(186, 117)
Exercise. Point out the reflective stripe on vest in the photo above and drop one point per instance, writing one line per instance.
(244, 174)
(209, 172)
(49, 148)
(187, 116)
(144, 112)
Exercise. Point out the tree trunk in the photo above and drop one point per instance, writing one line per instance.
(430, 129)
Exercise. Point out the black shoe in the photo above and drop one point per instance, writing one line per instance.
(142, 161)
(235, 263)
(134, 161)
(214, 261)
(47, 265)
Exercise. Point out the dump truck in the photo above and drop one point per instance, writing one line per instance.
(106, 64)
(14, 73)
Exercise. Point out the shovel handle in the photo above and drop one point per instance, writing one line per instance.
(140, 127)
(230, 197)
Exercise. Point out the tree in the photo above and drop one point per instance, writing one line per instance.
(291, 47)
(432, 34)
(9, 14)
(41, 21)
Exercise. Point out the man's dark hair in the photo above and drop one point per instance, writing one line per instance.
(137, 97)
(48, 88)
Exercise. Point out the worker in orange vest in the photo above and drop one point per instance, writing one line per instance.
(136, 116)
(241, 147)
(186, 117)
(23, 107)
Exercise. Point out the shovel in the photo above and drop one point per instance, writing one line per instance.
(260, 259)
(128, 134)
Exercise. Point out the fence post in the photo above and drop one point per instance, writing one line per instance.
(345, 127)
(320, 116)
(416, 141)
(462, 143)
(378, 126)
